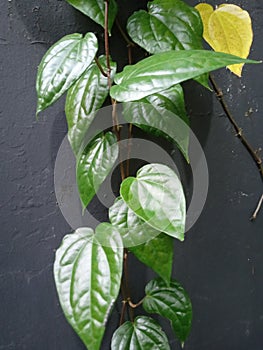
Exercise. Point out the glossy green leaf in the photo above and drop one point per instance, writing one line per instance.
(62, 65)
(94, 165)
(87, 276)
(162, 114)
(151, 247)
(161, 71)
(171, 302)
(142, 334)
(168, 25)
(84, 98)
(156, 196)
(95, 9)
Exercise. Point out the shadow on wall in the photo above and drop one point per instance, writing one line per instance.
(47, 21)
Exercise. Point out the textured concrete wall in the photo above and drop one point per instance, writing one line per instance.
(221, 261)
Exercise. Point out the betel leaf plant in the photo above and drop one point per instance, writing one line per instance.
(90, 267)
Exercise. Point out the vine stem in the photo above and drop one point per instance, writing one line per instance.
(130, 45)
(115, 122)
(123, 309)
(124, 283)
(239, 132)
(124, 35)
(134, 306)
(100, 67)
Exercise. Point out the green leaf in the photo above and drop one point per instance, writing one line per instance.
(156, 196)
(143, 334)
(151, 247)
(94, 164)
(87, 277)
(168, 25)
(84, 98)
(161, 71)
(161, 114)
(95, 9)
(62, 65)
(171, 302)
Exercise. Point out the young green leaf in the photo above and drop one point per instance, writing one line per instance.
(144, 333)
(162, 114)
(168, 25)
(161, 71)
(151, 247)
(95, 9)
(84, 98)
(62, 65)
(86, 291)
(94, 164)
(171, 302)
(156, 196)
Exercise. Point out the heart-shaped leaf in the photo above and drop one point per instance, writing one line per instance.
(62, 65)
(156, 196)
(151, 247)
(162, 114)
(171, 302)
(227, 29)
(87, 276)
(161, 71)
(94, 164)
(84, 98)
(95, 9)
(168, 25)
(144, 333)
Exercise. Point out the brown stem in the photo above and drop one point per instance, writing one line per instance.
(259, 205)
(130, 54)
(124, 35)
(117, 131)
(116, 127)
(100, 67)
(106, 41)
(134, 306)
(123, 309)
(129, 150)
(239, 132)
(130, 45)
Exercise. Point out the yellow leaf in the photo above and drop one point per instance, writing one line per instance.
(205, 11)
(227, 29)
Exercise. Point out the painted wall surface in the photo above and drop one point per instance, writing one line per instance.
(221, 262)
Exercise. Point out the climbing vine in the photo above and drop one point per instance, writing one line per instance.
(150, 213)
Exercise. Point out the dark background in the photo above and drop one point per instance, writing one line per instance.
(221, 262)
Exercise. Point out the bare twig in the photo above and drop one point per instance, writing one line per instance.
(239, 132)
(259, 205)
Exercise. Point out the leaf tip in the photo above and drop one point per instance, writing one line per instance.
(83, 209)
(181, 236)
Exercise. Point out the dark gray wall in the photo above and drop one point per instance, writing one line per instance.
(221, 261)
